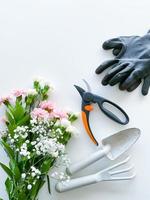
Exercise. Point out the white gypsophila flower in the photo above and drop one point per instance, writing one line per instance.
(23, 175)
(65, 122)
(34, 122)
(73, 130)
(16, 136)
(63, 160)
(34, 182)
(21, 131)
(33, 143)
(29, 187)
(12, 141)
(24, 151)
(35, 172)
(40, 127)
(61, 176)
(31, 92)
(61, 147)
(49, 145)
(39, 130)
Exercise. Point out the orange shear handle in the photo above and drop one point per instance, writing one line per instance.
(85, 119)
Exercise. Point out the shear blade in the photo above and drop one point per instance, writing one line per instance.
(80, 90)
(87, 85)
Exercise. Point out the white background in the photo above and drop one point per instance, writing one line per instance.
(61, 40)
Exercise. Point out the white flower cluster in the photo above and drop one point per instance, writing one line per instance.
(21, 131)
(46, 135)
(24, 150)
(48, 145)
(39, 128)
(44, 123)
(61, 176)
(35, 172)
(63, 160)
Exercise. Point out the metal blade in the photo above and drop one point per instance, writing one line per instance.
(80, 90)
(87, 85)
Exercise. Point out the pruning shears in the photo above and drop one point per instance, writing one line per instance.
(88, 98)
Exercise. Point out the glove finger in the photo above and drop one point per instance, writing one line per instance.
(115, 69)
(112, 43)
(132, 79)
(134, 86)
(121, 76)
(105, 65)
(148, 32)
(116, 52)
(146, 85)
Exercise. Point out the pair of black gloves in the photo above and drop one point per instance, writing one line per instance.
(131, 65)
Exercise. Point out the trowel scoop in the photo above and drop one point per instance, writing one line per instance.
(111, 147)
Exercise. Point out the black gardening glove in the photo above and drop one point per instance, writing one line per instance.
(131, 64)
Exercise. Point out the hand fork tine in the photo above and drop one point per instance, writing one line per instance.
(121, 178)
(126, 160)
(122, 171)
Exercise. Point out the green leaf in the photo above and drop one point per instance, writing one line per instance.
(10, 108)
(19, 111)
(11, 128)
(9, 186)
(10, 118)
(22, 195)
(66, 138)
(46, 165)
(1, 199)
(45, 89)
(7, 149)
(36, 188)
(44, 97)
(36, 86)
(24, 120)
(15, 169)
(72, 118)
(7, 170)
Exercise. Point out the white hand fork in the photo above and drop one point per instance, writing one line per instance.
(108, 174)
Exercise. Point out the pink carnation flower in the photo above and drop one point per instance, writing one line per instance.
(57, 113)
(39, 113)
(5, 99)
(47, 105)
(19, 92)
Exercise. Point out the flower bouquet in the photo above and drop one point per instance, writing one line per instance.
(34, 139)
